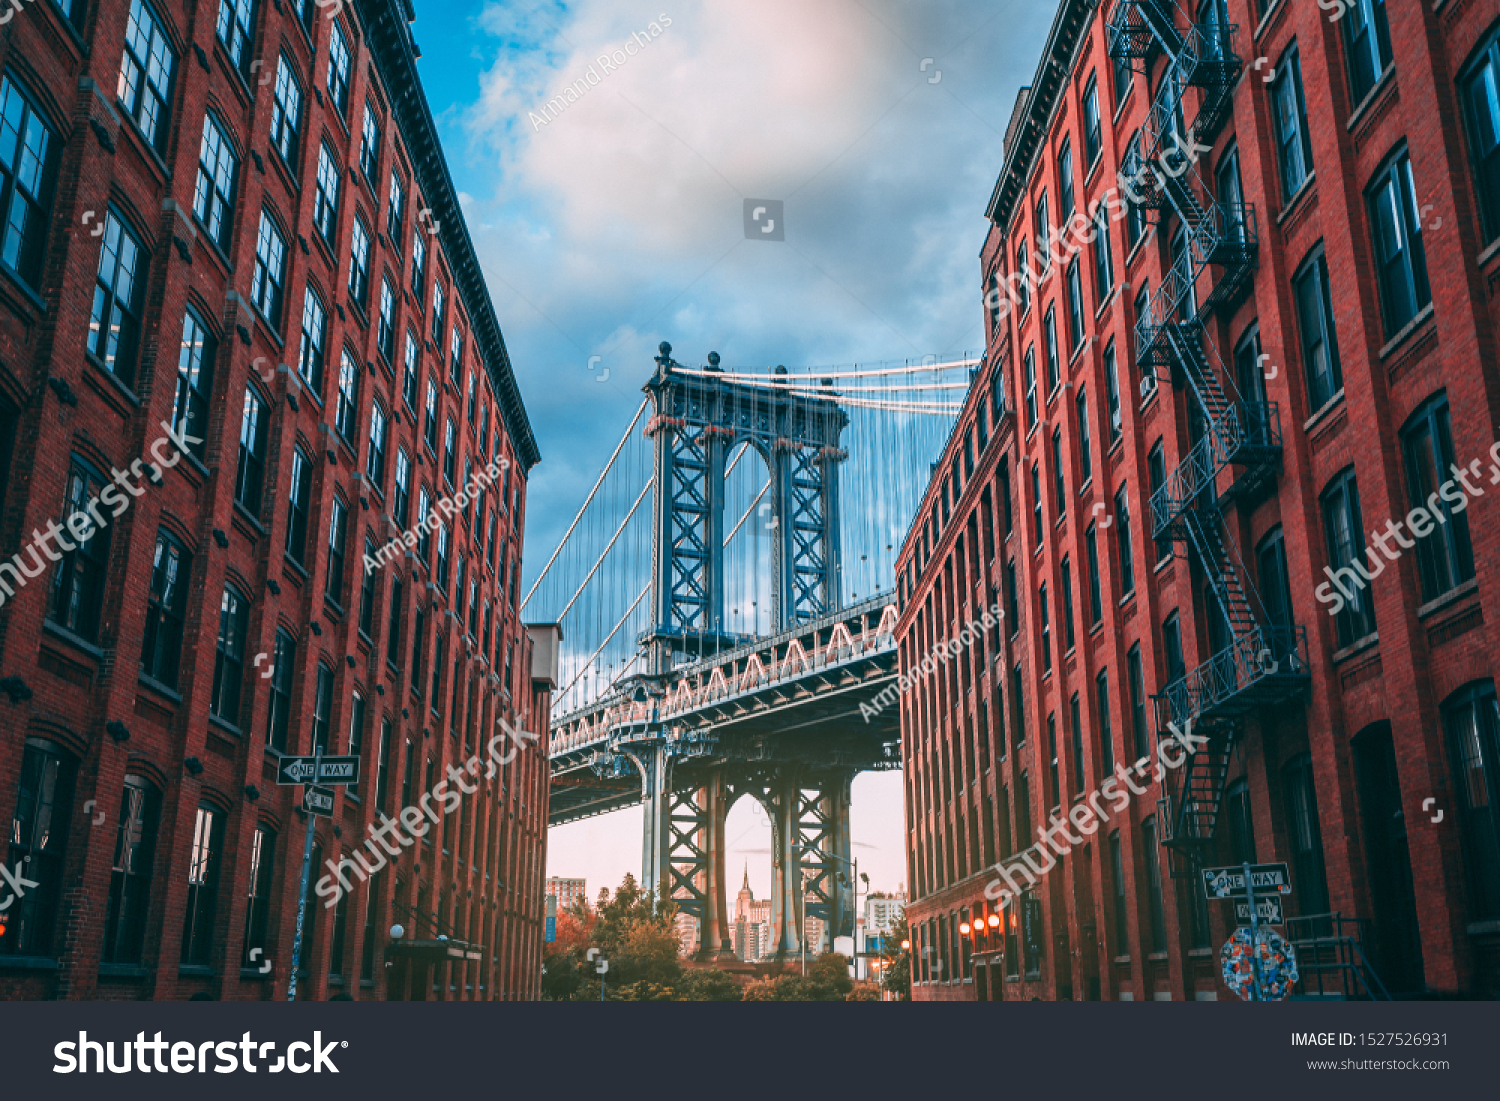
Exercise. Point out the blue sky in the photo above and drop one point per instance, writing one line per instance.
(619, 223)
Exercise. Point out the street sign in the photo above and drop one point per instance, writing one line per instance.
(1267, 911)
(1266, 878)
(551, 919)
(1259, 967)
(335, 770)
(318, 801)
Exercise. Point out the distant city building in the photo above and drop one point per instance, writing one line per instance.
(686, 926)
(567, 891)
(882, 912)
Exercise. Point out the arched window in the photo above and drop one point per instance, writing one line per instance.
(1472, 718)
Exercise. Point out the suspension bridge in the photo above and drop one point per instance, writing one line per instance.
(725, 601)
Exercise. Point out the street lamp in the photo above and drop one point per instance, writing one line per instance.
(854, 919)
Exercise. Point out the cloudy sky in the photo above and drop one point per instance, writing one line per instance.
(619, 222)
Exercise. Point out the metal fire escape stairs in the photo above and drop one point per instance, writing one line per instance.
(1262, 663)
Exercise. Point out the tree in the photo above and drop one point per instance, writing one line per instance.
(829, 976)
(708, 984)
(895, 974)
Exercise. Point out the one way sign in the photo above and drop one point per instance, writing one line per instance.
(1268, 879)
(334, 770)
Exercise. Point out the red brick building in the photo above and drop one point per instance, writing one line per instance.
(1197, 401)
(231, 221)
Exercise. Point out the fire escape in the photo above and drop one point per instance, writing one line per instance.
(1236, 441)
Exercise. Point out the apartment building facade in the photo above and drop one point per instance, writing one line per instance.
(1266, 328)
(242, 310)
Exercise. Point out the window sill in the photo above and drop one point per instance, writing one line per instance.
(123, 971)
(1358, 646)
(40, 303)
(1306, 188)
(1482, 928)
(159, 688)
(227, 727)
(254, 974)
(1484, 257)
(250, 519)
(1370, 97)
(1452, 596)
(195, 970)
(1121, 959)
(27, 963)
(1424, 315)
(1157, 957)
(1322, 413)
(125, 391)
(1129, 92)
(78, 642)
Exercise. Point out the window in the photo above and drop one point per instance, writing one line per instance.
(1058, 473)
(1231, 193)
(195, 382)
(369, 146)
(401, 505)
(213, 196)
(1184, 266)
(38, 833)
(346, 415)
(442, 558)
(396, 216)
(27, 164)
(1143, 316)
(367, 595)
(1065, 582)
(439, 307)
(1054, 376)
(1104, 270)
(1445, 555)
(450, 451)
(1250, 374)
(1091, 549)
(1106, 733)
(78, 580)
(145, 87)
(234, 30)
(115, 319)
(1289, 124)
(322, 716)
(338, 522)
(383, 763)
(1112, 393)
(336, 942)
(326, 194)
(1151, 854)
(203, 885)
(250, 471)
(1320, 347)
(1123, 76)
(310, 353)
(1479, 87)
(424, 542)
(430, 433)
(269, 275)
(1065, 199)
(1043, 235)
(1122, 534)
(455, 357)
(1046, 629)
(300, 495)
(410, 367)
(1121, 907)
(418, 262)
(1075, 717)
(359, 264)
(1036, 503)
(418, 646)
(130, 878)
(1031, 411)
(1075, 308)
(1135, 218)
(1241, 824)
(229, 658)
(1085, 458)
(258, 906)
(439, 661)
(1092, 143)
(1400, 259)
(1473, 724)
(1171, 643)
(1025, 278)
(1139, 732)
(1156, 470)
(393, 630)
(1343, 528)
(375, 459)
(1367, 39)
(1304, 837)
(279, 713)
(338, 68)
(1275, 589)
(286, 112)
(386, 334)
(166, 610)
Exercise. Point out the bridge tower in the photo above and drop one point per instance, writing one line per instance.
(698, 421)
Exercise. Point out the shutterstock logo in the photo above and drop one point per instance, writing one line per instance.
(73, 1057)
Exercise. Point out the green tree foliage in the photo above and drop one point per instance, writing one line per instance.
(632, 930)
(707, 984)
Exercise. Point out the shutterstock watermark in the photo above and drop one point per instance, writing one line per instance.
(608, 62)
(940, 654)
(387, 839)
(1422, 521)
(190, 1058)
(83, 523)
(446, 506)
(1088, 815)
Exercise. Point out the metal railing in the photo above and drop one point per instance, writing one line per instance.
(1247, 427)
(1331, 961)
(1270, 660)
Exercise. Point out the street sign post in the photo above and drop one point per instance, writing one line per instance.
(1268, 911)
(1266, 879)
(307, 770)
(316, 800)
(316, 760)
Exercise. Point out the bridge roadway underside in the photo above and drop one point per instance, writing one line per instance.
(794, 747)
